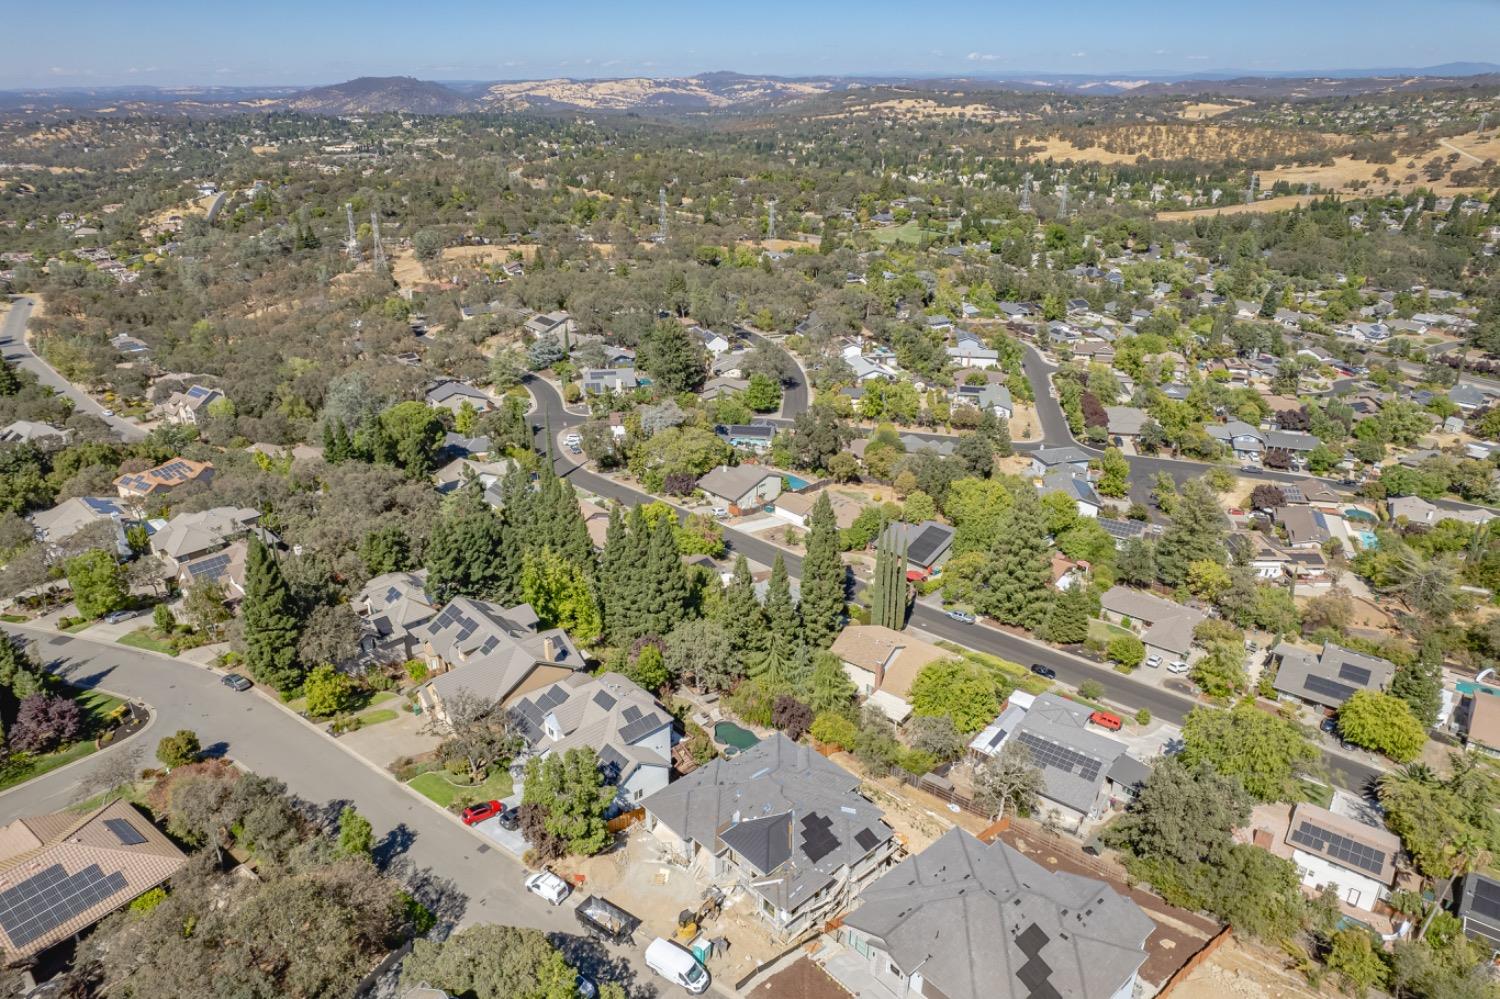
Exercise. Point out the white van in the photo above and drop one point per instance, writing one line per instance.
(677, 964)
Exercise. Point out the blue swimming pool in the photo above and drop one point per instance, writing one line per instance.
(1354, 513)
(1367, 540)
(796, 482)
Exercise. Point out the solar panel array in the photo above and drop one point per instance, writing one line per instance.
(604, 700)
(1036, 973)
(1354, 674)
(818, 840)
(1328, 688)
(1050, 754)
(867, 839)
(1487, 899)
(1320, 840)
(925, 545)
(639, 725)
(101, 505)
(47, 900)
(212, 567)
(126, 833)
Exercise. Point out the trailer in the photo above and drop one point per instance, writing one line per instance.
(605, 920)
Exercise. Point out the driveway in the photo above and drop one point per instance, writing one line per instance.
(465, 878)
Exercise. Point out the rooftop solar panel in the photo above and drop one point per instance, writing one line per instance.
(604, 700)
(925, 545)
(630, 713)
(818, 840)
(126, 833)
(42, 903)
(1328, 688)
(1486, 899)
(1360, 855)
(1050, 754)
(867, 839)
(1354, 674)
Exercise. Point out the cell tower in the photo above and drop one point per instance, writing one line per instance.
(1250, 191)
(771, 219)
(661, 232)
(351, 247)
(1026, 193)
(1062, 201)
(377, 252)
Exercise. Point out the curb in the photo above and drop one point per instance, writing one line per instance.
(151, 716)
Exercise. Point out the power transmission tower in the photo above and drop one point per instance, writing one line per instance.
(352, 246)
(661, 232)
(1062, 201)
(771, 219)
(1026, 193)
(1250, 191)
(377, 251)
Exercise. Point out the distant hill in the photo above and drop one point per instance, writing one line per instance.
(705, 92)
(376, 94)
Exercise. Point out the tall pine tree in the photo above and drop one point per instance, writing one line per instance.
(613, 572)
(664, 581)
(468, 554)
(1197, 533)
(271, 626)
(822, 578)
(742, 618)
(1015, 587)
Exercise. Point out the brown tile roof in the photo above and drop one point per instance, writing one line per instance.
(1484, 720)
(67, 845)
(876, 648)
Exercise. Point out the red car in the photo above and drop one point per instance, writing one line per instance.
(480, 812)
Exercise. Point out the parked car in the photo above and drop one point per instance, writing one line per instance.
(120, 615)
(546, 885)
(1178, 667)
(1046, 671)
(1329, 725)
(109, 412)
(483, 810)
(234, 681)
(962, 617)
(1153, 661)
(1106, 719)
(721, 511)
(573, 440)
(1249, 470)
(510, 819)
(677, 965)
(585, 987)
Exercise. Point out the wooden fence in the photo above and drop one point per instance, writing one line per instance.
(1192, 963)
(941, 793)
(625, 820)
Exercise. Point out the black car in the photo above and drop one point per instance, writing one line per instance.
(1046, 671)
(235, 681)
(510, 819)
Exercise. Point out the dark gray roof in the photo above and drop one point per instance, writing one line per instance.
(985, 921)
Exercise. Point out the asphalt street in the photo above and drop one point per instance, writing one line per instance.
(18, 351)
(1124, 691)
(467, 880)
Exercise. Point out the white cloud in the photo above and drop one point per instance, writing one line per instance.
(1079, 55)
(1197, 58)
(979, 56)
(1160, 52)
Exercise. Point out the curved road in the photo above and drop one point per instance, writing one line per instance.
(1123, 690)
(18, 351)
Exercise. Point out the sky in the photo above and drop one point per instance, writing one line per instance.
(290, 42)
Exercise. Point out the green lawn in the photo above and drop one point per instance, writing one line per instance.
(1318, 794)
(437, 786)
(13, 618)
(141, 638)
(96, 708)
(1103, 631)
(910, 233)
(375, 717)
(78, 626)
(299, 705)
(1014, 674)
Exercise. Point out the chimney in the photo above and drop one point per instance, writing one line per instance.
(549, 648)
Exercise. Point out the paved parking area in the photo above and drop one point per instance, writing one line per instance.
(509, 840)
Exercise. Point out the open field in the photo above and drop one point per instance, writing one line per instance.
(917, 108)
(1344, 172)
(1268, 205)
(1202, 110)
(1185, 140)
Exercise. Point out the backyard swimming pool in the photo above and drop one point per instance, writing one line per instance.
(730, 734)
(796, 482)
(1353, 513)
(1367, 540)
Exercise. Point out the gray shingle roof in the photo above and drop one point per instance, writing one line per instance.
(985, 921)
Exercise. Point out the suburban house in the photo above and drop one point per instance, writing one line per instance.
(988, 397)
(926, 544)
(393, 605)
(610, 714)
(495, 653)
(741, 487)
(43, 435)
(969, 920)
(61, 522)
(163, 478)
(1263, 557)
(1480, 717)
(598, 381)
(1100, 351)
(1479, 910)
(1305, 527)
(714, 343)
(461, 471)
(882, 663)
(969, 351)
(62, 872)
(188, 535)
(225, 567)
(1168, 626)
(755, 437)
(1126, 422)
(1357, 859)
(188, 406)
(1416, 510)
(1074, 486)
(1084, 771)
(1251, 443)
(797, 507)
(558, 324)
(1328, 678)
(721, 386)
(1123, 531)
(782, 824)
(451, 395)
(1468, 397)
(1049, 458)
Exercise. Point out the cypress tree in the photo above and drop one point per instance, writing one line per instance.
(270, 621)
(888, 593)
(612, 573)
(665, 583)
(741, 616)
(1196, 534)
(783, 622)
(10, 382)
(468, 554)
(822, 603)
(1068, 620)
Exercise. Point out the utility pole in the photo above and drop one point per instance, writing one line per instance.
(377, 251)
(352, 246)
(1250, 191)
(1062, 201)
(1026, 193)
(771, 219)
(661, 232)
